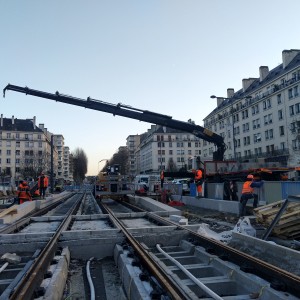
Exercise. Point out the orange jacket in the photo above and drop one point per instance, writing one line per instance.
(43, 181)
(162, 175)
(247, 189)
(198, 175)
(24, 192)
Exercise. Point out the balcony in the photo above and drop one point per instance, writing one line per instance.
(272, 156)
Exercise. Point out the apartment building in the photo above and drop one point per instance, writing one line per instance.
(132, 144)
(163, 148)
(25, 148)
(261, 121)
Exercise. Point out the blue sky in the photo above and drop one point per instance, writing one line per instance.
(166, 56)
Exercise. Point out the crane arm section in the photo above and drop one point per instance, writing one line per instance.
(130, 112)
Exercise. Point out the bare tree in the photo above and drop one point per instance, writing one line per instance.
(120, 158)
(80, 162)
(33, 163)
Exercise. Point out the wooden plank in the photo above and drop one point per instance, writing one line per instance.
(11, 210)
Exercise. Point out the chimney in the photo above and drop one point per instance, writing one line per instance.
(247, 82)
(12, 120)
(33, 121)
(288, 56)
(1, 120)
(41, 126)
(263, 72)
(219, 101)
(230, 93)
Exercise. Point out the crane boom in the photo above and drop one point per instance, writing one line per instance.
(130, 112)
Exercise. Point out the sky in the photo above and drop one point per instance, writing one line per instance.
(165, 56)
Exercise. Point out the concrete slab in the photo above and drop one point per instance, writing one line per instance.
(214, 204)
(86, 248)
(152, 205)
(268, 251)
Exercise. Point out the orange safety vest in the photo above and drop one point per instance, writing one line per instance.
(24, 192)
(43, 183)
(247, 189)
(198, 175)
(162, 175)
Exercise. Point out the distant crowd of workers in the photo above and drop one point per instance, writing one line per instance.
(24, 193)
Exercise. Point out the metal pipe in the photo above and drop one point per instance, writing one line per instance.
(190, 275)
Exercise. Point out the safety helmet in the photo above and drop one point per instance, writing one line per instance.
(250, 176)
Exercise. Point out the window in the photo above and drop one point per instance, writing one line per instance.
(255, 109)
(8, 152)
(17, 136)
(18, 152)
(297, 108)
(8, 160)
(246, 140)
(291, 108)
(8, 143)
(279, 101)
(8, 135)
(280, 115)
(281, 130)
(189, 144)
(171, 152)
(290, 93)
(26, 136)
(18, 144)
(39, 136)
(256, 137)
(170, 144)
(296, 91)
(245, 127)
(245, 114)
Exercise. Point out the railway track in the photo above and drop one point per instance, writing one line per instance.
(155, 257)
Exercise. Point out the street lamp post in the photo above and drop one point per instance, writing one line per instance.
(232, 117)
(100, 162)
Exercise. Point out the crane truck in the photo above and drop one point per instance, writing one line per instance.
(214, 173)
(130, 112)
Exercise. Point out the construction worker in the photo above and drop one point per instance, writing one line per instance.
(43, 184)
(24, 192)
(198, 182)
(248, 193)
(162, 178)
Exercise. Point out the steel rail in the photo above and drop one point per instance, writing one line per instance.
(288, 281)
(32, 279)
(170, 286)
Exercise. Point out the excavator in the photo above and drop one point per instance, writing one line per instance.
(131, 112)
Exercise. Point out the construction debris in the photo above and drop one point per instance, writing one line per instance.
(288, 225)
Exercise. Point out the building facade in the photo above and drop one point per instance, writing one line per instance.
(25, 149)
(261, 122)
(163, 148)
(132, 144)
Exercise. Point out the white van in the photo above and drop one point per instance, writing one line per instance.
(152, 182)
